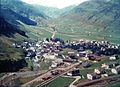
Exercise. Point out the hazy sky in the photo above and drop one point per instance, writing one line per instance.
(55, 3)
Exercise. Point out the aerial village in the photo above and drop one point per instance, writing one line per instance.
(87, 59)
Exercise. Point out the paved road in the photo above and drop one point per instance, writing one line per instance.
(76, 79)
(66, 69)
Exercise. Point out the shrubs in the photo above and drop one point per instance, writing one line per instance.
(12, 66)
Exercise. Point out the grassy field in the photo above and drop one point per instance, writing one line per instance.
(60, 82)
(77, 30)
(36, 32)
(30, 64)
(117, 84)
(84, 72)
(25, 80)
(73, 30)
(7, 51)
(44, 65)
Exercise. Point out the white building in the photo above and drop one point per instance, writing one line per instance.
(99, 71)
(113, 58)
(104, 75)
(54, 65)
(116, 70)
(49, 56)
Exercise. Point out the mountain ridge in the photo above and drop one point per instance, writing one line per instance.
(52, 11)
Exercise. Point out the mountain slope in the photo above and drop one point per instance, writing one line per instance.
(26, 10)
(22, 8)
(53, 12)
(8, 29)
(14, 17)
(16, 20)
(99, 12)
(93, 19)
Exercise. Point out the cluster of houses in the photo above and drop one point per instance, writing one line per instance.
(99, 48)
(102, 72)
(84, 49)
(46, 49)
